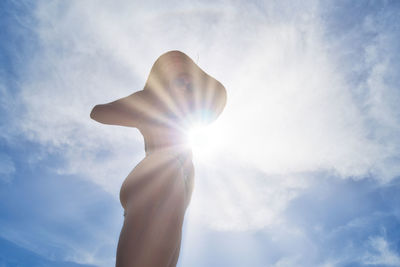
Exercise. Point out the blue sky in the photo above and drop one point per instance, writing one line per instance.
(305, 166)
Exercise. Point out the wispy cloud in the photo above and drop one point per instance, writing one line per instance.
(7, 168)
(312, 92)
(290, 110)
(381, 253)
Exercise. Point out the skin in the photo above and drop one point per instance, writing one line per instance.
(156, 193)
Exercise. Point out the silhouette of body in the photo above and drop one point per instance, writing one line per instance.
(156, 193)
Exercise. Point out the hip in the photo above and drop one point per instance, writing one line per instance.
(150, 179)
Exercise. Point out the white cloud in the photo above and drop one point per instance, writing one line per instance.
(288, 262)
(381, 254)
(290, 109)
(238, 198)
(7, 168)
(293, 108)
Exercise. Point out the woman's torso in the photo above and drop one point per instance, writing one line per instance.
(167, 157)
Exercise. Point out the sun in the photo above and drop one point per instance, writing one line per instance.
(204, 139)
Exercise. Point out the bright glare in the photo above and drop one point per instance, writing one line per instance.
(204, 139)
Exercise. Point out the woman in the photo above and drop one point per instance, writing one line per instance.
(156, 193)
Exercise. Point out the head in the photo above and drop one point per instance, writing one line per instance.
(185, 89)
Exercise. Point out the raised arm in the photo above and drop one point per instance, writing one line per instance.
(128, 111)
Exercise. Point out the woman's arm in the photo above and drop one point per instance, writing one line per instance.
(128, 111)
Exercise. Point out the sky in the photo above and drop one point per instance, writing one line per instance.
(301, 169)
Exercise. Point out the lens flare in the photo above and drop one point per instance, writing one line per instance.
(204, 140)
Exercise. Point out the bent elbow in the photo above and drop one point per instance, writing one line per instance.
(93, 112)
